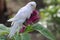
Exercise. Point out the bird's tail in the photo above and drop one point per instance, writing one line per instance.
(13, 30)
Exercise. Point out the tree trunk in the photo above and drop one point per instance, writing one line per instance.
(3, 10)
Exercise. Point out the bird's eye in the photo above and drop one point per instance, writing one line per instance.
(31, 5)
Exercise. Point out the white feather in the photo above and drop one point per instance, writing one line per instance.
(23, 14)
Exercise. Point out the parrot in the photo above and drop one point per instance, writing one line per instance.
(21, 16)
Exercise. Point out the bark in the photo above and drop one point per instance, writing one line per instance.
(3, 10)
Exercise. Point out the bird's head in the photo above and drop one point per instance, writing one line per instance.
(32, 4)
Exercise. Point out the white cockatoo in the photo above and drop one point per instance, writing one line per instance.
(18, 20)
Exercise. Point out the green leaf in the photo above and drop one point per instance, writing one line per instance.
(3, 30)
(29, 28)
(17, 37)
(25, 36)
(2, 38)
(2, 27)
(22, 36)
(3, 35)
(44, 31)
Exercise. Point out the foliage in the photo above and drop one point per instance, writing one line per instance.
(44, 31)
(51, 15)
(25, 35)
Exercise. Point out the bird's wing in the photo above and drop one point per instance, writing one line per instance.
(20, 15)
(23, 13)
